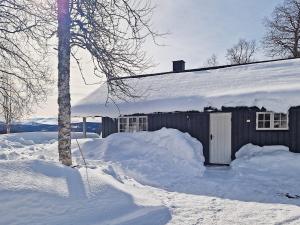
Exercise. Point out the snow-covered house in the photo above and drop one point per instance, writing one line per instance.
(224, 107)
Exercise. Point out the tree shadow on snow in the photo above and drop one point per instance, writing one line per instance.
(108, 205)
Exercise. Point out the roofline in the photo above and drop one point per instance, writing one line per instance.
(199, 69)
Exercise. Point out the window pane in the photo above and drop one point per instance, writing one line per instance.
(283, 124)
(260, 124)
(272, 121)
(122, 127)
(276, 124)
(268, 116)
(142, 123)
(132, 124)
(267, 124)
(283, 116)
(132, 120)
(123, 120)
(142, 127)
(260, 116)
(276, 116)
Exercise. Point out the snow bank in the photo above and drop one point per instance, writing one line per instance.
(270, 159)
(249, 151)
(273, 85)
(160, 158)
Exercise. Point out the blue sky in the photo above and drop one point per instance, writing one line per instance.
(197, 29)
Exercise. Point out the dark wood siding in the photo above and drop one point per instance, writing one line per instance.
(109, 126)
(294, 125)
(244, 132)
(195, 123)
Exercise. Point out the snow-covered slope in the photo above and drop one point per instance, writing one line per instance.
(38, 192)
(33, 145)
(274, 85)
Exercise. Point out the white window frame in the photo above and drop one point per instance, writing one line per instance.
(127, 118)
(271, 121)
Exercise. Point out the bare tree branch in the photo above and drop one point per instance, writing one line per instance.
(283, 30)
(24, 73)
(212, 61)
(242, 52)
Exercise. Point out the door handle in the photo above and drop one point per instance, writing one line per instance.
(211, 136)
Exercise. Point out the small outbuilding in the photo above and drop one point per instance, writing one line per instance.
(223, 107)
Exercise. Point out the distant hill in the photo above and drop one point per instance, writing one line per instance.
(46, 124)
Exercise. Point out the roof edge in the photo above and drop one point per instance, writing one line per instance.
(199, 69)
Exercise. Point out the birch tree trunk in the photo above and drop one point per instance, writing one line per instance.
(64, 104)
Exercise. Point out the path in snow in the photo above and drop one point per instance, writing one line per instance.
(195, 209)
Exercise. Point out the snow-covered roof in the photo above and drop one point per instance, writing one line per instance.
(273, 85)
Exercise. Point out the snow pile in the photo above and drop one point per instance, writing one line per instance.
(267, 159)
(160, 158)
(249, 151)
(273, 85)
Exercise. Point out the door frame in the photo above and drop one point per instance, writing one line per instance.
(210, 136)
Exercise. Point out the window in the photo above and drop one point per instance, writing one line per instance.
(133, 124)
(271, 121)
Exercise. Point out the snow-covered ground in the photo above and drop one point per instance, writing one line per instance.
(54, 120)
(144, 178)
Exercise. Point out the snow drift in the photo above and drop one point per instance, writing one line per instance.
(46, 193)
(160, 158)
(267, 159)
(32, 145)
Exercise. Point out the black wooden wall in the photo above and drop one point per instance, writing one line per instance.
(243, 132)
(195, 123)
(294, 129)
(109, 126)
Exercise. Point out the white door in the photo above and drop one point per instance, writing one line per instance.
(220, 138)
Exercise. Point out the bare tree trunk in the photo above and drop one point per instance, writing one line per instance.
(7, 103)
(64, 105)
(8, 128)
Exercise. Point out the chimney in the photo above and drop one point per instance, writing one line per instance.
(178, 66)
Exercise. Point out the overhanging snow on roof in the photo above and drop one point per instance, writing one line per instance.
(273, 85)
